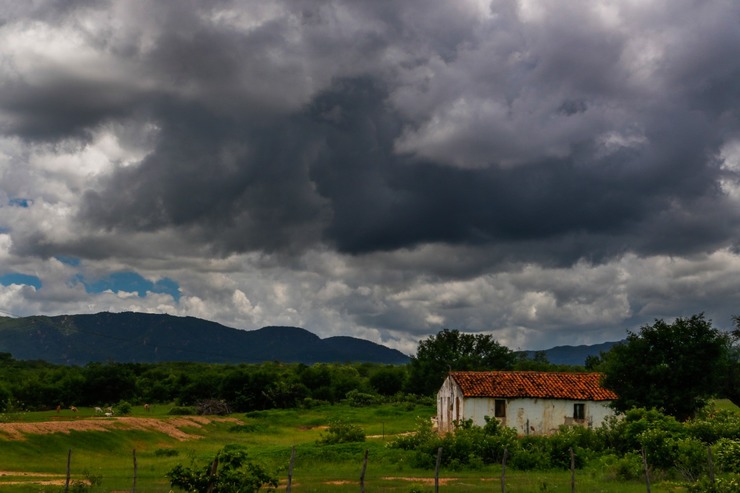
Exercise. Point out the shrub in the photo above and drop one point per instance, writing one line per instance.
(727, 455)
(533, 454)
(355, 398)
(690, 457)
(629, 467)
(341, 432)
(235, 474)
(711, 425)
(166, 452)
(123, 408)
(730, 484)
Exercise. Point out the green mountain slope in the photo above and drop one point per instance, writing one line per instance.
(141, 337)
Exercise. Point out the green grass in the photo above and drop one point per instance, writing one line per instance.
(269, 437)
(726, 405)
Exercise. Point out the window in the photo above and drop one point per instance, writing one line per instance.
(499, 409)
(579, 411)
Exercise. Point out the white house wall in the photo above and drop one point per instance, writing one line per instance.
(536, 416)
(450, 401)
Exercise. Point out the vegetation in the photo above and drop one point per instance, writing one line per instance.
(452, 350)
(675, 366)
(331, 414)
(258, 444)
(230, 472)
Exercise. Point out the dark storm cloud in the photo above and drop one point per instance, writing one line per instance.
(546, 140)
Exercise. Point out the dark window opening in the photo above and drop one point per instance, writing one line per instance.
(579, 411)
(499, 409)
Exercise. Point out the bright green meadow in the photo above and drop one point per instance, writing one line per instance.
(103, 461)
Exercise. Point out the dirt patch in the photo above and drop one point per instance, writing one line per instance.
(39, 478)
(425, 481)
(169, 426)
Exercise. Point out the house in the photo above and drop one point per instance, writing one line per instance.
(531, 402)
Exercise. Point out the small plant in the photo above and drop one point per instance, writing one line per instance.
(166, 452)
(341, 432)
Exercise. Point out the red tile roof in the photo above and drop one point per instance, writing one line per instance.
(535, 384)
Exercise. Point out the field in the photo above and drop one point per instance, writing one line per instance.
(35, 447)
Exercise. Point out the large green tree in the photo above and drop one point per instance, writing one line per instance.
(452, 350)
(674, 367)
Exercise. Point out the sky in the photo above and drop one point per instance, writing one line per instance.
(548, 173)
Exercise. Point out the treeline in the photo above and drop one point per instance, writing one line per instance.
(37, 385)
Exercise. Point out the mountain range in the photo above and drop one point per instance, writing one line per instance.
(149, 338)
(142, 338)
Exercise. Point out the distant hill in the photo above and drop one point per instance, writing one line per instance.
(574, 355)
(144, 338)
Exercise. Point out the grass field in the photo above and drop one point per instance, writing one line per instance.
(34, 449)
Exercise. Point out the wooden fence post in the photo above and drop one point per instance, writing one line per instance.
(133, 487)
(572, 471)
(69, 461)
(436, 470)
(503, 472)
(290, 469)
(645, 466)
(362, 476)
(212, 475)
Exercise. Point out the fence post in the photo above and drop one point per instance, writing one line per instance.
(133, 487)
(362, 476)
(436, 470)
(212, 475)
(69, 461)
(572, 471)
(647, 473)
(503, 472)
(290, 469)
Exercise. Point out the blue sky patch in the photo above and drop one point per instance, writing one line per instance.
(20, 202)
(17, 278)
(133, 283)
(72, 261)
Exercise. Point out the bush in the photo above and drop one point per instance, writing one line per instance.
(340, 432)
(235, 474)
(690, 457)
(711, 425)
(356, 398)
(123, 408)
(629, 467)
(730, 484)
(727, 455)
(533, 454)
(166, 452)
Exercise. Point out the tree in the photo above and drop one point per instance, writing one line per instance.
(732, 379)
(674, 367)
(451, 350)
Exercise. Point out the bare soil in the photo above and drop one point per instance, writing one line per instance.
(170, 426)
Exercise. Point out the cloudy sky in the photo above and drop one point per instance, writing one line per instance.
(546, 172)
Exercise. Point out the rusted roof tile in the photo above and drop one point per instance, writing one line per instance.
(541, 385)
